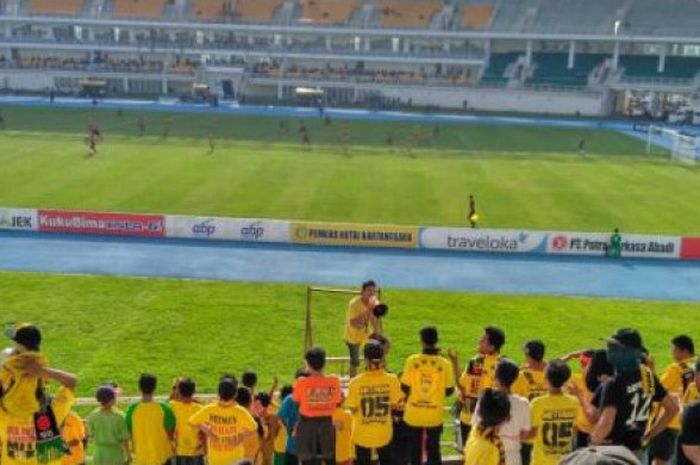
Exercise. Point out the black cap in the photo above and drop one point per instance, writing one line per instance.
(25, 334)
(627, 337)
(373, 351)
(601, 455)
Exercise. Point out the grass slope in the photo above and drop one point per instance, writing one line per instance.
(522, 177)
(115, 328)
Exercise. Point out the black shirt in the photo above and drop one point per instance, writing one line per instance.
(627, 393)
(690, 430)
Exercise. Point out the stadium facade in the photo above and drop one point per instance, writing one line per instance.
(587, 57)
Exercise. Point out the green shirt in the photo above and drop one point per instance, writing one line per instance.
(108, 432)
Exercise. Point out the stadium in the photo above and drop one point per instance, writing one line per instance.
(197, 189)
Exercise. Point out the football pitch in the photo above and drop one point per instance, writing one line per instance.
(116, 328)
(389, 172)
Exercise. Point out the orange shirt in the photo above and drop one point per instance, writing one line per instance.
(317, 396)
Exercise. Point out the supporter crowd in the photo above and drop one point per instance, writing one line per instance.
(611, 407)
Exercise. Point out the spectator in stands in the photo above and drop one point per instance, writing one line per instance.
(188, 445)
(677, 379)
(624, 400)
(252, 444)
(554, 411)
(478, 375)
(427, 380)
(289, 415)
(518, 425)
(382, 391)
(485, 446)
(151, 424)
(317, 396)
(689, 439)
(225, 425)
(107, 430)
(73, 434)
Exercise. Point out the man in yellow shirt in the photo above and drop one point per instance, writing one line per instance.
(35, 438)
(578, 388)
(358, 319)
(553, 418)
(478, 375)
(677, 379)
(485, 446)
(151, 424)
(371, 396)
(188, 446)
(531, 383)
(225, 424)
(428, 380)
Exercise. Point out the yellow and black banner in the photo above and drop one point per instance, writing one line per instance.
(356, 235)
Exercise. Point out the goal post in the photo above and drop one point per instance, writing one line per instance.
(682, 147)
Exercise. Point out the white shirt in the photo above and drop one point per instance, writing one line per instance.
(519, 421)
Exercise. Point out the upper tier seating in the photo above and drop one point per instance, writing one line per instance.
(55, 7)
(146, 9)
(327, 12)
(405, 14)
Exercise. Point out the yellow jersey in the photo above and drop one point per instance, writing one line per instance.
(479, 375)
(427, 376)
(151, 425)
(530, 384)
(19, 389)
(554, 416)
(187, 443)
(677, 379)
(354, 335)
(344, 450)
(484, 447)
(371, 395)
(19, 438)
(227, 421)
(691, 395)
(73, 434)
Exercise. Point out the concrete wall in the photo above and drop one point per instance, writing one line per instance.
(503, 99)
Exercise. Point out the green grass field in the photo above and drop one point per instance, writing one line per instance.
(522, 177)
(115, 328)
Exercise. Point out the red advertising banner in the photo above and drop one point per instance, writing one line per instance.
(690, 248)
(114, 224)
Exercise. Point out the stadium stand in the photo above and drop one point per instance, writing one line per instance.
(477, 16)
(647, 67)
(551, 68)
(133, 9)
(498, 64)
(54, 7)
(210, 10)
(327, 12)
(407, 14)
(256, 11)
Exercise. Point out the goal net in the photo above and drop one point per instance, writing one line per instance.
(682, 147)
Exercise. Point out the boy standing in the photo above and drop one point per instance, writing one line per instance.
(225, 424)
(152, 426)
(371, 397)
(188, 447)
(317, 396)
(428, 380)
(107, 430)
(553, 418)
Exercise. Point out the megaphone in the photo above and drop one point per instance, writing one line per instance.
(380, 310)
